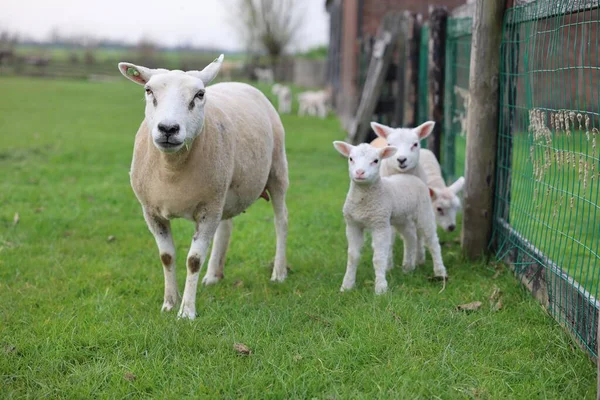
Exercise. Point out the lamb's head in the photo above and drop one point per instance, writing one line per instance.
(364, 160)
(407, 141)
(446, 204)
(174, 102)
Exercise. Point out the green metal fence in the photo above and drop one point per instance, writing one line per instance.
(456, 96)
(547, 204)
(422, 90)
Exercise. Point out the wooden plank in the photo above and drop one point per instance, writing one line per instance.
(411, 102)
(438, 17)
(380, 61)
(482, 128)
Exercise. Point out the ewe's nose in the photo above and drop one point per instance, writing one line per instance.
(451, 228)
(168, 129)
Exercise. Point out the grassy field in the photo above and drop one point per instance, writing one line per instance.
(79, 314)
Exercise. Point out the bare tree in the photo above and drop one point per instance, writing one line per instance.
(268, 25)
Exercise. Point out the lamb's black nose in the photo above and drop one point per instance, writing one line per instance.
(402, 160)
(168, 129)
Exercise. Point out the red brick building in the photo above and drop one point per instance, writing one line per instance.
(353, 24)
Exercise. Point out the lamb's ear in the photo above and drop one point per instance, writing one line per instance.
(343, 147)
(209, 72)
(138, 74)
(388, 151)
(458, 185)
(433, 193)
(381, 130)
(425, 129)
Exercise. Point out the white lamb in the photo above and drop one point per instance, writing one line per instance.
(264, 75)
(445, 200)
(284, 98)
(375, 204)
(313, 103)
(205, 154)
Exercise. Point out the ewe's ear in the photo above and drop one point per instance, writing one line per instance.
(209, 72)
(425, 129)
(381, 130)
(343, 147)
(388, 151)
(458, 185)
(138, 74)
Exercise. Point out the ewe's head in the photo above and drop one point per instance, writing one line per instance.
(406, 140)
(364, 160)
(174, 102)
(446, 204)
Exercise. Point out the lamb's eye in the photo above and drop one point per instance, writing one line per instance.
(200, 94)
(415, 144)
(351, 159)
(148, 91)
(375, 161)
(440, 210)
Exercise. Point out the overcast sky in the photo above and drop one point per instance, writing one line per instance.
(170, 22)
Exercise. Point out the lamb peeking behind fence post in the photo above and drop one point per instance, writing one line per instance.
(205, 154)
(375, 204)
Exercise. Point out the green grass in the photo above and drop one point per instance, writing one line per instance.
(79, 316)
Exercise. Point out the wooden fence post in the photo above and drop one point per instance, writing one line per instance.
(482, 131)
(438, 17)
(411, 78)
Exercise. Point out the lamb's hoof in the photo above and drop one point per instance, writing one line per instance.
(381, 288)
(167, 306)
(408, 268)
(346, 288)
(211, 279)
(279, 275)
(440, 274)
(186, 313)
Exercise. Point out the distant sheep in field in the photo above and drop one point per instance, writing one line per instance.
(377, 204)
(284, 98)
(205, 154)
(264, 75)
(313, 103)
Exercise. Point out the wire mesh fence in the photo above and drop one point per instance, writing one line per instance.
(456, 93)
(547, 208)
(422, 114)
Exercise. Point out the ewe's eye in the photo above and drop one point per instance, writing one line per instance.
(200, 94)
(148, 91)
(351, 159)
(375, 161)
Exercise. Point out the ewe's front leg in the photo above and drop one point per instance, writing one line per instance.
(205, 230)
(161, 229)
(356, 238)
(381, 246)
(214, 272)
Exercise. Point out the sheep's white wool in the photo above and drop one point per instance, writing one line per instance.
(377, 204)
(205, 154)
(313, 103)
(264, 75)
(446, 202)
(284, 98)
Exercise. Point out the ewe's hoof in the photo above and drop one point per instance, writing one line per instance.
(167, 306)
(279, 276)
(211, 279)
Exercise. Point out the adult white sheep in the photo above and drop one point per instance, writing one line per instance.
(205, 154)
(375, 204)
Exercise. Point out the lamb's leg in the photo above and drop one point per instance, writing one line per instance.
(356, 238)
(161, 229)
(390, 264)
(214, 272)
(381, 247)
(433, 244)
(420, 250)
(409, 236)
(205, 231)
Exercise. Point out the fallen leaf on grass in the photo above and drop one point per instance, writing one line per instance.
(238, 283)
(317, 318)
(474, 306)
(495, 302)
(497, 306)
(297, 357)
(10, 348)
(39, 210)
(111, 238)
(128, 376)
(242, 349)
(16, 219)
